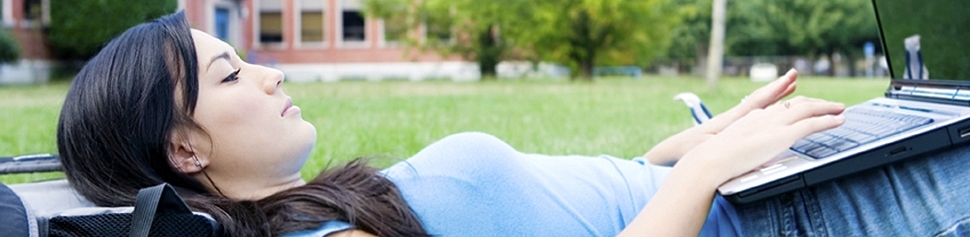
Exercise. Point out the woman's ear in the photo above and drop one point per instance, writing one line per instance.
(182, 155)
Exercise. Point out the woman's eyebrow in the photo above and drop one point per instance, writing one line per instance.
(224, 55)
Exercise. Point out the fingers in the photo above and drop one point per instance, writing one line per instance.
(801, 108)
(792, 73)
(788, 91)
(784, 82)
(788, 80)
(803, 100)
(764, 96)
(811, 125)
(774, 91)
(808, 115)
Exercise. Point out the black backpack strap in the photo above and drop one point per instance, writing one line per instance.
(43, 226)
(151, 201)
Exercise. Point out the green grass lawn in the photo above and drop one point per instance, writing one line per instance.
(389, 121)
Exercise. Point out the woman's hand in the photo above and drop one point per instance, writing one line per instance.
(682, 203)
(671, 149)
(759, 136)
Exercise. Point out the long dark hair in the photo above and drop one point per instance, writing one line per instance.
(122, 110)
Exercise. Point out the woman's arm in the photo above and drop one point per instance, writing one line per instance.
(668, 151)
(681, 205)
(679, 208)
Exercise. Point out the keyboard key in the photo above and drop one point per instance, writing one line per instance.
(821, 152)
(863, 125)
(842, 144)
(819, 137)
(803, 145)
(860, 138)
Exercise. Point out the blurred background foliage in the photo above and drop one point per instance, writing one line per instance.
(582, 34)
(576, 33)
(806, 28)
(79, 31)
(9, 49)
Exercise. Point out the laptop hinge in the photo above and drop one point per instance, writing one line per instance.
(945, 92)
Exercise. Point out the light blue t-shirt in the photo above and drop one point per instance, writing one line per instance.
(474, 184)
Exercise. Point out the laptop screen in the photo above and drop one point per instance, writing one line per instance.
(935, 33)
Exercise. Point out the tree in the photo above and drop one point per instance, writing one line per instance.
(9, 49)
(802, 27)
(579, 33)
(475, 30)
(772, 27)
(690, 38)
(79, 28)
(587, 33)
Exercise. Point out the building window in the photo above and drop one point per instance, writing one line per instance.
(311, 21)
(352, 22)
(271, 21)
(36, 13)
(33, 10)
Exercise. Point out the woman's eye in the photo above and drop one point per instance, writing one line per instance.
(232, 76)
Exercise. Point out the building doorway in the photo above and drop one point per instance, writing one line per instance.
(222, 23)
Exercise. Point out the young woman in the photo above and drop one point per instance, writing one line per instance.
(164, 103)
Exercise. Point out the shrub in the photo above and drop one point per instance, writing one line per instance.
(9, 48)
(79, 28)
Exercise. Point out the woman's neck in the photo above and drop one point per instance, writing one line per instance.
(243, 189)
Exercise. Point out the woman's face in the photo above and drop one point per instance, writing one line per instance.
(254, 131)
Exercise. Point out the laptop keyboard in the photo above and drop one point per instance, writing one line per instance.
(862, 125)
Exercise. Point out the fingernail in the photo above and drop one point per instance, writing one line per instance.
(790, 71)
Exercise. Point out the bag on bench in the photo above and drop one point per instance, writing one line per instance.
(158, 211)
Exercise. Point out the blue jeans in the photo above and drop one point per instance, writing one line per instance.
(925, 196)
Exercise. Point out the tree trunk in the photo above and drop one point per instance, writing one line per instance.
(586, 61)
(715, 52)
(586, 69)
(489, 52)
(851, 62)
(584, 46)
(487, 66)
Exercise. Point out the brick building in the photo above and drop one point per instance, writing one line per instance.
(25, 20)
(309, 40)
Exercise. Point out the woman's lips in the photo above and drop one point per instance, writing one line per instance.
(288, 107)
(292, 110)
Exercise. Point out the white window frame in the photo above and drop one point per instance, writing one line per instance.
(8, 20)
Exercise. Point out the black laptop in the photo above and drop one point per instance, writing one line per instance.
(926, 107)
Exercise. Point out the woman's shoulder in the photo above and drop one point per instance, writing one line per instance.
(467, 143)
(472, 137)
(458, 152)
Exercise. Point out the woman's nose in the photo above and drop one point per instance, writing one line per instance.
(274, 80)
